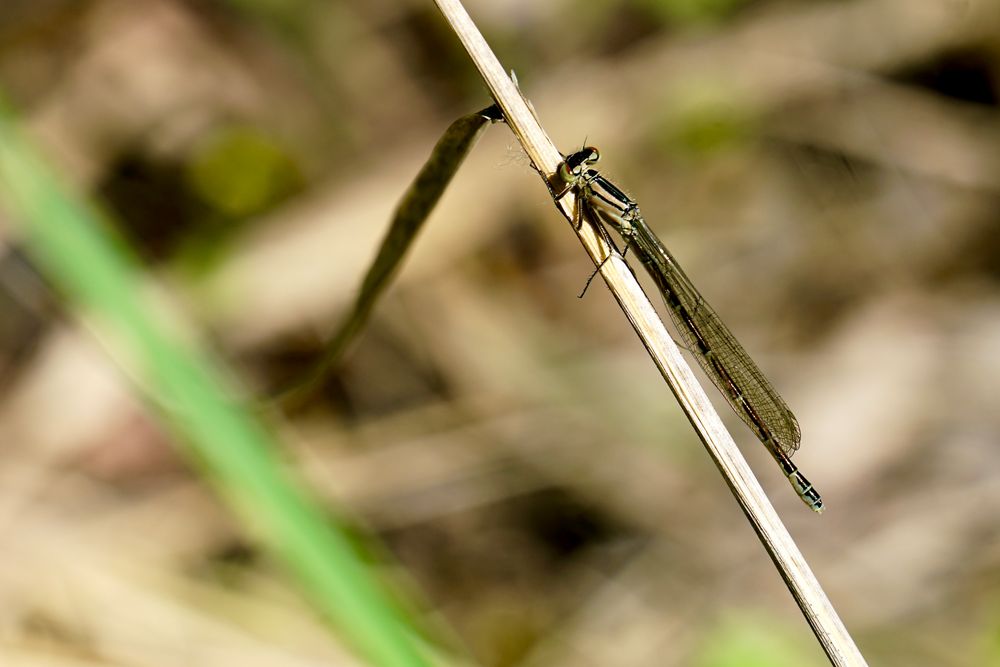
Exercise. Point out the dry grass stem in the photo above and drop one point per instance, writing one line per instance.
(819, 612)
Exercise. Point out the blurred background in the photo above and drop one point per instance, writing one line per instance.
(828, 172)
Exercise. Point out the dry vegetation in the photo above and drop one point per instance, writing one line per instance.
(828, 172)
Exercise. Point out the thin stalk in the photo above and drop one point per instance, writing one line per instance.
(792, 566)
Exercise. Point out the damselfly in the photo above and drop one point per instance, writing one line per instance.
(718, 352)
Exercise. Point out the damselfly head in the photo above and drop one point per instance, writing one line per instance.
(576, 164)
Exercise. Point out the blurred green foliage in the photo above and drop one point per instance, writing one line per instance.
(240, 171)
(704, 120)
(991, 650)
(191, 392)
(691, 11)
(748, 640)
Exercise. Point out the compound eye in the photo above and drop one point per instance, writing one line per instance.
(594, 156)
(570, 172)
(566, 172)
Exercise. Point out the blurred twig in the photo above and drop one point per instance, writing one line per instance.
(805, 588)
